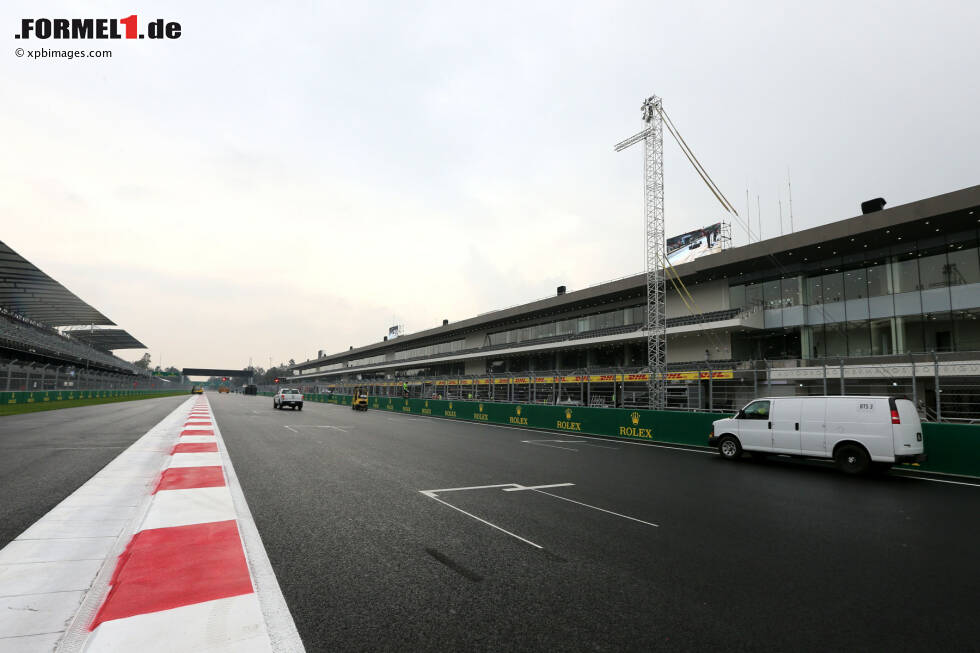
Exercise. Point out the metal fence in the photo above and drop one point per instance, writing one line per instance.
(942, 390)
(20, 376)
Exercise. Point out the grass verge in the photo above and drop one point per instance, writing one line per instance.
(18, 409)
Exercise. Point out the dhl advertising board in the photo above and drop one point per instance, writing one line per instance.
(691, 375)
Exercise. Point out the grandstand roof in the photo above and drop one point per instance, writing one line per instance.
(107, 339)
(29, 292)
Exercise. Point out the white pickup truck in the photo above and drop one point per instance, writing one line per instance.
(288, 397)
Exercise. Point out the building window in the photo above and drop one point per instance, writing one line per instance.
(906, 274)
(966, 329)
(736, 297)
(792, 291)
(772, 294)
(963, 267)
(833, 287)
(878, 281)
(814, 291)
(933, 271)
(881, 337)
(858, 338)
(908, 334)
(938, 332)
(753, 295)
(835, 340)
(855, 284)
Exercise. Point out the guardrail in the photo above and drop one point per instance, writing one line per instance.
(951, 448)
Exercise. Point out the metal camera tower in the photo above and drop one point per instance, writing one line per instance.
(653, 201)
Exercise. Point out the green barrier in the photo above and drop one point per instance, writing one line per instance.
(26, 401)
(951, 448)
(43, 396)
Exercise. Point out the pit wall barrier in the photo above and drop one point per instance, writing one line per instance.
(951, 448)
(67, 397)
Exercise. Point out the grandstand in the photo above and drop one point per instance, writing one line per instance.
(35, 354)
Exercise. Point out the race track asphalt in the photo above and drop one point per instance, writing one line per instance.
(650, 548)
(46, 456)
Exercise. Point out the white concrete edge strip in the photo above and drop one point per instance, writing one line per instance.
(280, 627)
(77, 632)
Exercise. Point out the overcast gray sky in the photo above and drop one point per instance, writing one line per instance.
(288, 177)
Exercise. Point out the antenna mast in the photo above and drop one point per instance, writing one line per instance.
(653, 202)
(789, 182)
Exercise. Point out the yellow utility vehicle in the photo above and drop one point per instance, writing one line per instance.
(360, 399)
(223, 389)
(197, 390)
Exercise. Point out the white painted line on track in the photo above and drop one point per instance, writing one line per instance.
(588, 444)
(471, 487)
(937, 480)
(521, 488)
(597, 508)
(314, 426)
(541, 443)
(432, 495)
(582, 443)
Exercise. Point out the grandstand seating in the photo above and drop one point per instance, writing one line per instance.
(20, 336)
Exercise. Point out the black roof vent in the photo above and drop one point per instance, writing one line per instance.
(445, 323)
(871, 206)
(386, 339)
(561, 290)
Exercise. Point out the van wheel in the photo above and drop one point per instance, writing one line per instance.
(730, 448)
(852, 459)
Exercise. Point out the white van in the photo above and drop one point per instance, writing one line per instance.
(857, 432)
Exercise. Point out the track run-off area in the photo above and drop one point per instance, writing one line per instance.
(396, 532)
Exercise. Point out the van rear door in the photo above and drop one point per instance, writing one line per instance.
(786, 425)
(907, 429)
